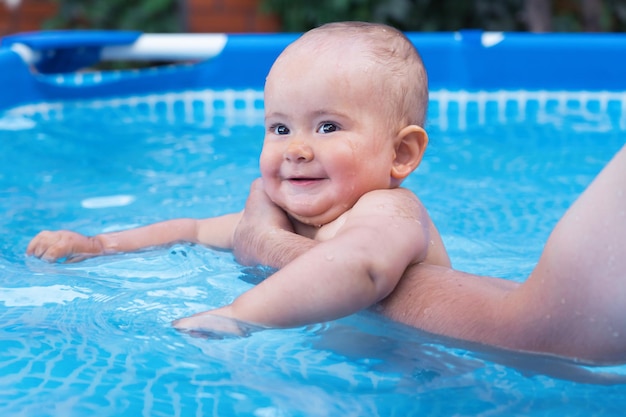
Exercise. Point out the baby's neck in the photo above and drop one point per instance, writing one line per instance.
(319, 232)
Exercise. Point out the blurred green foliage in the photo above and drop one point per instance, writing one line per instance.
(155, 16)
(163, 16)
(149, 16)
(440, 15)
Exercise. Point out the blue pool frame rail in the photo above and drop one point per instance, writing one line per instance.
(48, 66)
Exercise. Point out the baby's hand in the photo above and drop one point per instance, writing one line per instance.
(63, 244)
(211, 326)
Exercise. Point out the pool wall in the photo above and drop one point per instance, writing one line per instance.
(466, 60)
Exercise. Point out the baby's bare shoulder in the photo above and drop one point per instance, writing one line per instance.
(396, 201)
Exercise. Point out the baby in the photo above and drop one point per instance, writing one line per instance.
(344, 110)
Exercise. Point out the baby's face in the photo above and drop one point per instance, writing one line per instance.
(326, 141)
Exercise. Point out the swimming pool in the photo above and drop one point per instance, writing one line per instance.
(100, 152)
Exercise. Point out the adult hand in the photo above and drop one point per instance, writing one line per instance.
(264, 232)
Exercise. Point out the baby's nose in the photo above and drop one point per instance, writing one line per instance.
(298, 151)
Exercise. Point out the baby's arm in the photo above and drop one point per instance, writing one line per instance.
(383, 234)
(216, 232)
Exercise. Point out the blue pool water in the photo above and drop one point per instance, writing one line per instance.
(94, 338)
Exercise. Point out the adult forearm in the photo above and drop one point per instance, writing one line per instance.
(449, 302)
(275, 248)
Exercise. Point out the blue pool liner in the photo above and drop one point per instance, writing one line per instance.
(470, 60)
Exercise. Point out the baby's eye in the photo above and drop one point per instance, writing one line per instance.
(279, 129)
(328, 127)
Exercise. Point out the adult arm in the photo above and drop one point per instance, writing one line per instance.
(216, 232)
(571, 305)
(575, 298)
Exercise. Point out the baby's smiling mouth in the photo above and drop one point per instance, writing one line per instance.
(298, 179)
(304, 180)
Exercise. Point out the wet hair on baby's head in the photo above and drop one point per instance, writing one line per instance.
(402, 77)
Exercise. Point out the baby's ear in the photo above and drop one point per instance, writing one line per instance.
(411, 143)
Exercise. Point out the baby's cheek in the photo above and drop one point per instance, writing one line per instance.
(269, 162)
